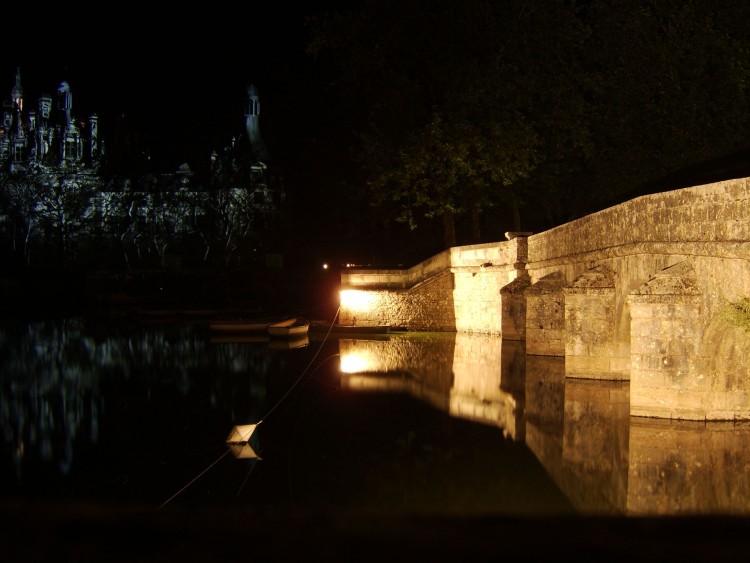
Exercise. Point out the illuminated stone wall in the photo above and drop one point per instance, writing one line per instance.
(672, 260)
(545, 320)
(592, 350)
(425, 297)
(480, 272)
(427, 306)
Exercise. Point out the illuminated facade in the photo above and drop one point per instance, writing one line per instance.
(47, 137)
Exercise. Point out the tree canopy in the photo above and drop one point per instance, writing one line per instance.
(522, 114)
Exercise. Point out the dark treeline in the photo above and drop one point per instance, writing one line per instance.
(410, 126)
(446, 122)
(94, 220)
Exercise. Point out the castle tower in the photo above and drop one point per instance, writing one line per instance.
(65, 102)
(16, 94)
(45, 106)
(18, 138)
(7, 116)
(71, 145)
(93, 137)
(252, 126)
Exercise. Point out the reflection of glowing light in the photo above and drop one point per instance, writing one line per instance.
(353, 363)
(356, 300)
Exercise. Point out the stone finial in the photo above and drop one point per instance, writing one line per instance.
(510, 235)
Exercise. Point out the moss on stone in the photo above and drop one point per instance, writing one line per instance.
(737, 314)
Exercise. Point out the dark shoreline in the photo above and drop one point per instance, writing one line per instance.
(165, 295)
(82, 533)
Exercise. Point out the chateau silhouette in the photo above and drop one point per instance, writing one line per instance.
(61, 203)
(48, 137)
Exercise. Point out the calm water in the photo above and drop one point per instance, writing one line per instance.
(411, 423)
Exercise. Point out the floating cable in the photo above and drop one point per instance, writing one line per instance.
(291, 388)
(299, 379)
(194, 480)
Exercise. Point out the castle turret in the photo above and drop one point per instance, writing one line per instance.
(252, 126)
(93, 137)
(17, 92)
(71, 145)
(65, 102)
(45, 106)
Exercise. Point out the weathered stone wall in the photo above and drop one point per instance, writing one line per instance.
(457, 290)
(545, 319)
(590, 319)
(426, 306)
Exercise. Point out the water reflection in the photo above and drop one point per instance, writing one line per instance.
(478, 378)
(603, 460)
(121, 403)
(62, 379)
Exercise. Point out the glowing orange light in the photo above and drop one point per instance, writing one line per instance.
(353, 363)
(356, 300)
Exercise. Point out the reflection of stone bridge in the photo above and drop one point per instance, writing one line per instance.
(633, 292)
(604, 460)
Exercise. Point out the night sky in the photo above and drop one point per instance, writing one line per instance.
(179, 76)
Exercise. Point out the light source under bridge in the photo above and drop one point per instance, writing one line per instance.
(357, 300)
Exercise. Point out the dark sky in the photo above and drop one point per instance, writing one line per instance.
(179, 75)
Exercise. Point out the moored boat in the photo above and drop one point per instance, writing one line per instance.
(289, 328)
(247, 326)
(240, 326)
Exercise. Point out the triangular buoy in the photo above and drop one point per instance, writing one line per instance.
(241, 434)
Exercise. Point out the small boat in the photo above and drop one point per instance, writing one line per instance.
(256, 326)
(240, 326)
(289, 328)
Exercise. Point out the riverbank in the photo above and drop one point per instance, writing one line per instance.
(169, 294)
(82, 533)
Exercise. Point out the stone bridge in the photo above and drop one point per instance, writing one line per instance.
(634, 292)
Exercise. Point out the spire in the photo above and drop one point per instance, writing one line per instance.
(17, 92)
(252, 115)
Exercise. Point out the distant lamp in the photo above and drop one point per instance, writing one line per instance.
(356, 300)
(325, 266)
